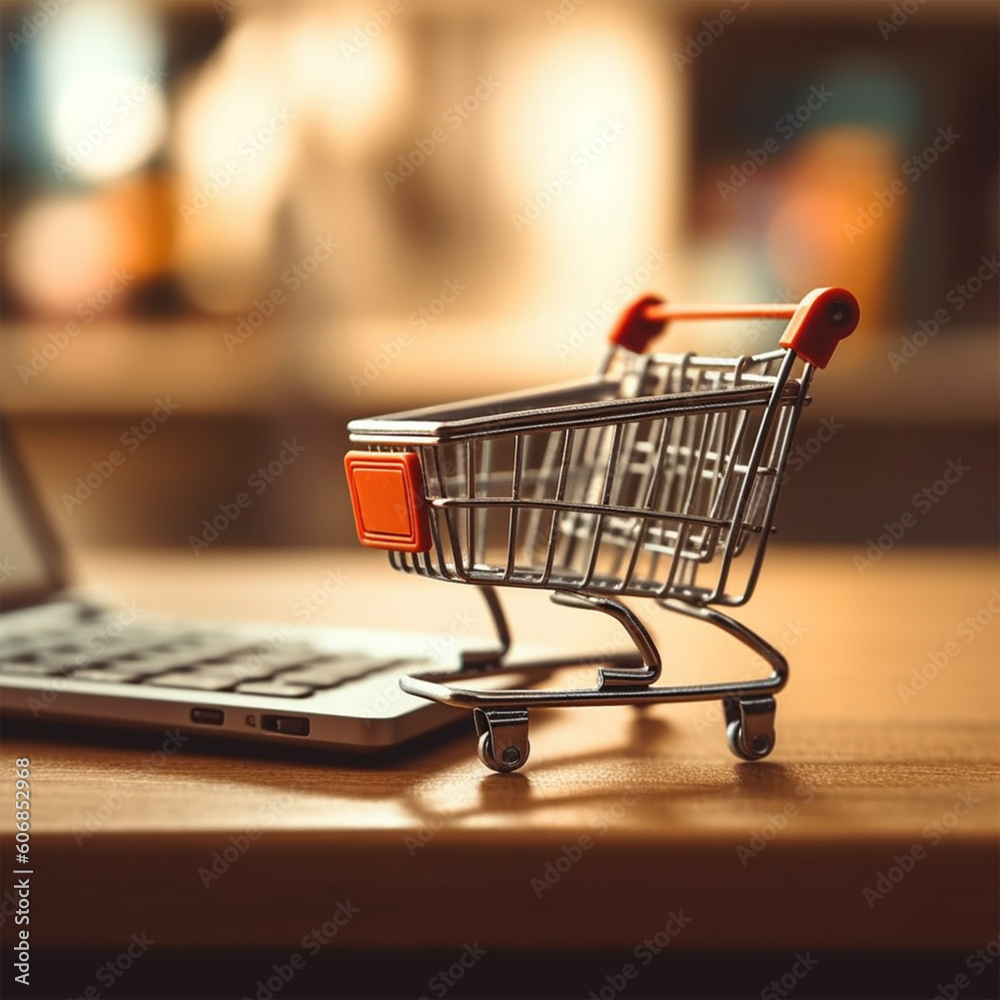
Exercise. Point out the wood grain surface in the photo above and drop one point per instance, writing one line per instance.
(620, 817)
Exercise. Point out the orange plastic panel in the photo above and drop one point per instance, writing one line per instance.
(387, 497)
(824, 318)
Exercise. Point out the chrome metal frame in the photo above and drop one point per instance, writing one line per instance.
(623, 679)
(648, 480)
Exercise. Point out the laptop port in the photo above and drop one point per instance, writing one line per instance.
(208, 716)
(290, 725)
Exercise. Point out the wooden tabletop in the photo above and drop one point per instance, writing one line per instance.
(874, 823)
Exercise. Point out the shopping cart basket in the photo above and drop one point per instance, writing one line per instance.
(657, 477)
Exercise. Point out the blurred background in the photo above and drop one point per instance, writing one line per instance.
(227, 228)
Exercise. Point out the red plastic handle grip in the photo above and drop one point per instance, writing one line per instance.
(640, 323)
(817, 323)
(824, 318)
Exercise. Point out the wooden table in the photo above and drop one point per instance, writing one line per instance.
(620, 817)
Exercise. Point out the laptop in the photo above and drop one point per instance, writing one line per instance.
(64, 658)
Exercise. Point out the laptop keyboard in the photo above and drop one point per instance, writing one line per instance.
(165, 657)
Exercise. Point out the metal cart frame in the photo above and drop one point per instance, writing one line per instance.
(656, 478)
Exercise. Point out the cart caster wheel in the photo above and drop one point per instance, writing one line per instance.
(761, 747)
(511, 759)
(503, 738)
(750, 727)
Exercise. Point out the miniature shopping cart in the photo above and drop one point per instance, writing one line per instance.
(657, 477)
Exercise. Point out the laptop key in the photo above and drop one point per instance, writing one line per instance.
(29, 668)
(104, 676)
(236, 672)
(274, 689)
(330, 671)
(279, 659)
(192, 679)
(88, 642)
(127, 670)
(155, 662)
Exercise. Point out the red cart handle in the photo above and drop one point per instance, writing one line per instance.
(816, 324)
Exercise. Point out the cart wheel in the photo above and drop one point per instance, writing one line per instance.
(762, 745)
(750, 727)
(503, 738)
(513, 756)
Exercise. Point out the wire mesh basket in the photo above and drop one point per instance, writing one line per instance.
(656, 478)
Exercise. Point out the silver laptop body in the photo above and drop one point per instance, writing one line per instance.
(63, 658)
